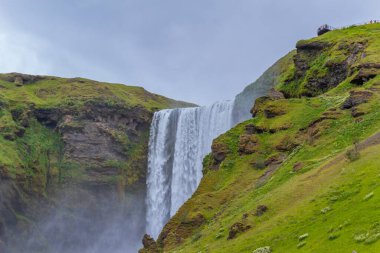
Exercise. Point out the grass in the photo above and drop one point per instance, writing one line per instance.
(53, 91)
(338, 50)
(295, 210)
(330, 204)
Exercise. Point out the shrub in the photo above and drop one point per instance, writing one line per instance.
(259, 164)
(353, 154)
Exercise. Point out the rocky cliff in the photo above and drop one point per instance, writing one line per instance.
(73, 156)
(302, 174)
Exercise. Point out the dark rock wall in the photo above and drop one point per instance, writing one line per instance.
(101, 192)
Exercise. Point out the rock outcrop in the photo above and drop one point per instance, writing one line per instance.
(150, 245)
(80, 155)
(236, 229)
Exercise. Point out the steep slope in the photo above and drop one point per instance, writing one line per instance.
(73, 156)
(302, 175)
(244, 100)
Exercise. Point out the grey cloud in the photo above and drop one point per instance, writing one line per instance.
(199, 51)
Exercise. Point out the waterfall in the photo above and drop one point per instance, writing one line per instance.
(179, 140)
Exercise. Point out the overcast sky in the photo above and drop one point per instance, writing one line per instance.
(196, 50)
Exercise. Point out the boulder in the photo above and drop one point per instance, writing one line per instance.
(248, 144)
(272, 111)
(236, 229)
(275, 95)
(219, 152)
(356, 98)
(260, 210)
(149, 244)
(254, 129)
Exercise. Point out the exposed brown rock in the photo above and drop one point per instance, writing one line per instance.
(248, 144)
(286, 144)
(236, 229)
(150, 245)
(332, 113)
(313, 130)
(275, 159)
(272, 111)
(96, 139)
(219, 153)
(259, 104)
(366, 72)
(175, 231)
(356, 98)
(260, 210)
(313, 45)
(275, 95)
(298, 166)
(337, 71)
(254, 129)
(21, 79)
(355, 112)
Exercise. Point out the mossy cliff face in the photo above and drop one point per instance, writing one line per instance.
(324, 62)
(71, 144)
(302, 175)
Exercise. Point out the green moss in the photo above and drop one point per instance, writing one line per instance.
(40, 150)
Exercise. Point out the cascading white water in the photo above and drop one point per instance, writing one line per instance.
(179, 140)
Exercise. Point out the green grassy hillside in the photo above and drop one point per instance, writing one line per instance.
(19, 100)
(303, 174)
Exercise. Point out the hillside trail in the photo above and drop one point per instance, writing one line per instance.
(369, 142)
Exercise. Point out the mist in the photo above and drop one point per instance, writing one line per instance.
(81, 222)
